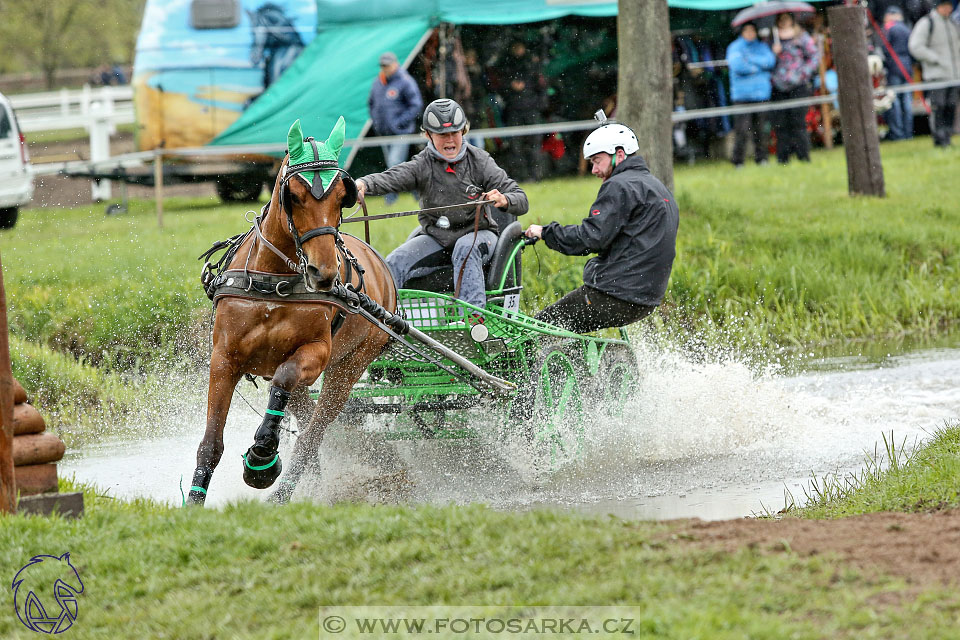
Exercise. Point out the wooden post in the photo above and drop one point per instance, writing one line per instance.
(8, 496)
(825, 107)
(645, 81)
(860, 139)
(158, 185)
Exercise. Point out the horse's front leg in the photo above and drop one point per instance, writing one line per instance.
(261, 463)
(337, 384)
(224, 375)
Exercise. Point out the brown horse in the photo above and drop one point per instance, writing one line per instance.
(293, 342)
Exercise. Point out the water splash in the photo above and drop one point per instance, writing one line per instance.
(703, 428)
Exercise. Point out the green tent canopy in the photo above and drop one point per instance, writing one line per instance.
(329, 79)
(332, 76)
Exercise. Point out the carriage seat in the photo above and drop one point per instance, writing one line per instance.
(443, 280)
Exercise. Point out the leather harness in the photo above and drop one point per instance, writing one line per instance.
(220, 282)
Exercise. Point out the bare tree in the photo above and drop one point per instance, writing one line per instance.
(645, 90)
(49, 35)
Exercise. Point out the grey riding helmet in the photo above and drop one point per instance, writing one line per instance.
(444, 116)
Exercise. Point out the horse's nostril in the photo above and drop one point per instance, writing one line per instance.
(319, 279)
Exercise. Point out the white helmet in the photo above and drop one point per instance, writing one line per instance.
(609, 137)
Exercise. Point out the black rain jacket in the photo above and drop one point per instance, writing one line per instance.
(632, 226)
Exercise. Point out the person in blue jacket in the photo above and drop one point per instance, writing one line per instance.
(897, 61)
(750, 61)
(394, 103)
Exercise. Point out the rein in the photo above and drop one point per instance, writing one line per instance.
(365, 218)
(414, 212)
(293, 266)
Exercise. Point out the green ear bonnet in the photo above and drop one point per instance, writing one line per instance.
(303, 150)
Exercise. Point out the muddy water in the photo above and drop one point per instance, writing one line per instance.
(703, 437)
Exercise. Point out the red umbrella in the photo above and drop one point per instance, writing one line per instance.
(770, 8)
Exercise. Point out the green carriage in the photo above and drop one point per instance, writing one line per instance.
(558, 378)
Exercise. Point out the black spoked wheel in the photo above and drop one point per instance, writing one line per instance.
(8, 217)
(240, 188)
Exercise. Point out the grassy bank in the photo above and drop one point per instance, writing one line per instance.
(252, 571)
(766, 256)
(927, 479)
(786, 252)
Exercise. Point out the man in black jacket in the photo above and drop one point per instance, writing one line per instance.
(632, 227)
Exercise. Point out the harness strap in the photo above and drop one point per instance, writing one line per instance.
(476, 230)
(319, 231)
(318, 165)
(293, 266)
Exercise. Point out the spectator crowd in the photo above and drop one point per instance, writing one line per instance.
(526, 75)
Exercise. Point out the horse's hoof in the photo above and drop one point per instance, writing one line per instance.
(261, 471)
(282, 494)
(194, 499)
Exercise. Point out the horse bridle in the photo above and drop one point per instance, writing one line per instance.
(318, 192)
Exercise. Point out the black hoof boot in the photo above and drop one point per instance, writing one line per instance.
(261, 467)
(198, 490)
(261, 463)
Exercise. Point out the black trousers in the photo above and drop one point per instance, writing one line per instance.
(749, 125)
(588, 309)
(791, 126)
(943, 108)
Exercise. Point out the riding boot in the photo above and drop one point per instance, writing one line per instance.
(201, 482)
(261, 463)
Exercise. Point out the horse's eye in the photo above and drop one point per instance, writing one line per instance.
(295, 199)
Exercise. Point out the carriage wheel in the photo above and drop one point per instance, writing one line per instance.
(240, 188)
(552, 405)
(616, 380)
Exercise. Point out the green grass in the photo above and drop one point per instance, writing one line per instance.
(767, 257)
(786, 253)
(254, 571)
(69, 135)
(70, 392)
(926, 479)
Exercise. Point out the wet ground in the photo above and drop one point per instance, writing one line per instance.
(704, 437)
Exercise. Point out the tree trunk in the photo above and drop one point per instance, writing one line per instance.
(645, 83)
(859, 121)
(7, 481)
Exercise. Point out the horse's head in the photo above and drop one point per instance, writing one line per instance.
(311, 190)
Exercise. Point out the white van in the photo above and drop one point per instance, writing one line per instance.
(16, 179)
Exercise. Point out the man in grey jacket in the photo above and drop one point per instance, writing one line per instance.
(935, 42)
(632, 227)
(450, 171)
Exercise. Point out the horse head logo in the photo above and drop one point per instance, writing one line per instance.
(40, 576)
(276, 42)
